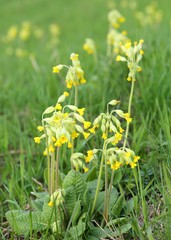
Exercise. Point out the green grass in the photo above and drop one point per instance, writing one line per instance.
(26, 92)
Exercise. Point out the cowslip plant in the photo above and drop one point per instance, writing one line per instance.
(86, 193)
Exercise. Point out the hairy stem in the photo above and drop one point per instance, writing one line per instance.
(129, 111)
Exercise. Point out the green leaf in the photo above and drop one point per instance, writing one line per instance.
(22, 222)
(97, 233)
(70, 200)
(118, 206)
(76, 180)
(113, 197)
(77, 231)
(120, 230)
(117, 177)
(91, 174)
(76, 212)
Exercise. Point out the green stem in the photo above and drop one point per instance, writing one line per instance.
(48, 161)
(57, 168)
(106, 193)
(99, 178)
(72, 151)
(53, 171)
(129, 111)
(110, 187)
(49, 174)
(76, 96)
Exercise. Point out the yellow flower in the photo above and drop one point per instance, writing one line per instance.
(37, 139)
(89, 156)
(89, 46)
(93, 129)
(118, 137)
(69, 145)
(127, 117)
(45, 152)
(53, 139)
(57, 144)
(66, 94)
(86, 135)
(121, 19)
(128, 45)
(118, 58)
(81, 111)
(87, 124)
(63, 139)
(56, 69)
(12, 33)
(51, 148)
(136, 158)
(121, 130)
(40, 128)
(85, 169)
(104, 136)
(74, 135)
(116, 165)
(133, 164)
(69, 85)
(74, 56)
(82, 81)
(139, 69)
(50, 204)
(58, 106)
(129, 79)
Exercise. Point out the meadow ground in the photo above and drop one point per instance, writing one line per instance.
(28, 86)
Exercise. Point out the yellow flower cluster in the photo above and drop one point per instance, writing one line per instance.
(62, 127)
(57, 198)
(19, 36)
(115, 18)
(117, 158)
(77, 160)
(75, 74)
(114, 38)
(133, 55)
(151, 16)
(89, 46)
(110, 124)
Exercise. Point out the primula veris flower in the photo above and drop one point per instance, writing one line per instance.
(114, 39)
(89, 46)
(37, 139)
(81, 111)
(57, 198)
(115, 18)
(133, 55)
(133, 164)
(151, 16)
(62, 127)
(86, 135)
(90, 156)
(12, 33)
(74, 56)
(58, 106)
(54, 29)
(40, 128)
(87, 124)
(66, 94)
(118, 157)
(56, 69)
(116, 165)
(85, 169)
